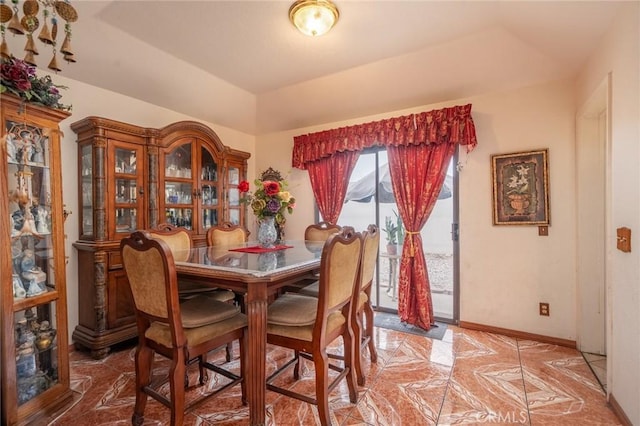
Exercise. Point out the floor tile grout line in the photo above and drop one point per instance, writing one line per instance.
(524, 383)
(446, 390)
(371, 383)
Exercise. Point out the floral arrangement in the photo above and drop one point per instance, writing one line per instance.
(19, 78)
(520, 180)
(270, 199)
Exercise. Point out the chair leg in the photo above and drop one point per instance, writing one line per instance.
(176, 377)
(144, 360)
(356, 325)
(296, 368)
(321, 362)
(229, 351)
(368, 311)
(201, 370)
(349, 348)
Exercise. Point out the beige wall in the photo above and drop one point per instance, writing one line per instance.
(89, 100)
(619, 54)
(503, 286)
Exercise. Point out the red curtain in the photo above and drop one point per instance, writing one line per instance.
(329, 180)
(417, 175)
(448, 125)
(420, 148)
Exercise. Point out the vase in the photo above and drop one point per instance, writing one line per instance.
(267, 261)
(519, 203)
(267, 233)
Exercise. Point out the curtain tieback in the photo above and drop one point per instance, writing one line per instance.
(410, 234)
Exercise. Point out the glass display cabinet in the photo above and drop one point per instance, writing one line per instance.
(111, 189)
(35, 360)
(199, 179)
(131, 178)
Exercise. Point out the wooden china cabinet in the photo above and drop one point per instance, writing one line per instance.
(198, 179)
(33, 309)
(131, 178)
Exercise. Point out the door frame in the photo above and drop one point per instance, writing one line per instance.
(593, 131)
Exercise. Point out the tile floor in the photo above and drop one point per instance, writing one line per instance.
(469, 377)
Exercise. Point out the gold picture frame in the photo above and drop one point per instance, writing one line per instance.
(520, 188)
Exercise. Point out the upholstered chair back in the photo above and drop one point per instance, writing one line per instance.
(226, 234)
(320, 231)
(178, 240)
(371, 245)
(339, 268)
(147, 262)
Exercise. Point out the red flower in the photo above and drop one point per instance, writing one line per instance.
(243, 186)
(271, 187)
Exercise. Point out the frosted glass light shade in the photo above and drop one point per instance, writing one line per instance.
(313, 17)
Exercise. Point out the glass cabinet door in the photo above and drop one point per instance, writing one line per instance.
(86, 195)
(178, 188)
(208, 193)
(233, 180)
(32, 248)
(126, 187)
(198, 185)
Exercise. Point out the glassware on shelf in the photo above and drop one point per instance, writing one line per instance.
(209, 172)
(234, 175)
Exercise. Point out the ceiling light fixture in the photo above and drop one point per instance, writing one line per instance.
(313, 17)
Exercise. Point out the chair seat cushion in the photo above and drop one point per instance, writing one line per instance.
(203, 310)
(362, 299)
(311, 289)
(161, 333)
(305, 332)
(293, 309)
(221, 295)
(188, 287)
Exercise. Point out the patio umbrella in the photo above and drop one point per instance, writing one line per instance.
(364, 189)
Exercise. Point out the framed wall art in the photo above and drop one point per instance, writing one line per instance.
(520, 188)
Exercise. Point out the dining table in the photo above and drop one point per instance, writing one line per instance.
(259, 274)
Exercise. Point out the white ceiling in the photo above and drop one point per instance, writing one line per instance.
(243, 65)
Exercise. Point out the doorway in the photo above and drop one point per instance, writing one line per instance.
(370, 199)
(593, 187)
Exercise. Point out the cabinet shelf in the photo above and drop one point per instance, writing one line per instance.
(34, 301)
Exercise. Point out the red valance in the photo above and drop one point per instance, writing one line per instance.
(447, 125)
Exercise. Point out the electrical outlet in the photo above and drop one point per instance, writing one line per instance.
(544, 309)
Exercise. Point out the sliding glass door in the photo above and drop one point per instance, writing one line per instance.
(370, 199)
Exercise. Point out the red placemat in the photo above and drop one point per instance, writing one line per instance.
(258, 249)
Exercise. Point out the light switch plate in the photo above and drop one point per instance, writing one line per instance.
(543, 230)
(624, 239)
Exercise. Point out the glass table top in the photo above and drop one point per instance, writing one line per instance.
(224, 258)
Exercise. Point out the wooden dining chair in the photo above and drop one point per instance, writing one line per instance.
(181, 332)
(226, 234)
(320, 231)
(317, 232)
(308, 325)
(363, 315)
(179, 241)
(364, 308)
